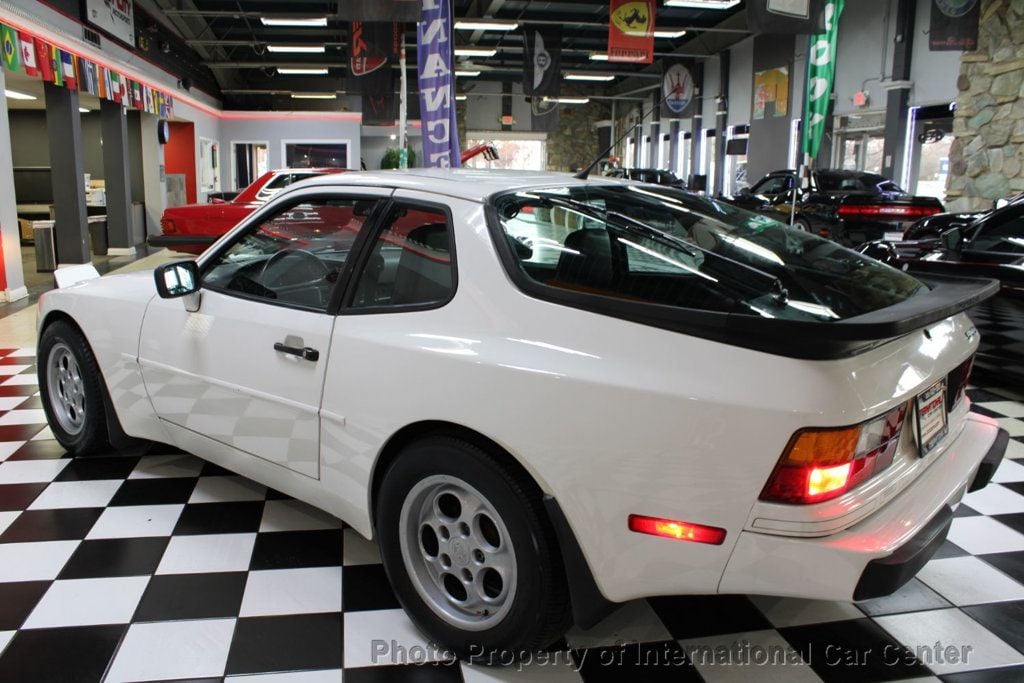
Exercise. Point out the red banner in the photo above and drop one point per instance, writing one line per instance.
(631, 31)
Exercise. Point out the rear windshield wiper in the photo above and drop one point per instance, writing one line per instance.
(777, 288)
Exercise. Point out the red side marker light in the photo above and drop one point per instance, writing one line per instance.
(680, 531)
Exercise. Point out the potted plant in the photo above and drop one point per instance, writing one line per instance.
(391, 157)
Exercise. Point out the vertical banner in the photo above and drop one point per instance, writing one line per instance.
(677, 89)
(373, 52)
(437, 85)
(631, 31)
(542, 60)
(544, 116)
(821, 73)
(954, 25)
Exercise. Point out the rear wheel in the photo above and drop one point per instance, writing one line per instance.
(469, 552)
(802, 225)
(69, 385)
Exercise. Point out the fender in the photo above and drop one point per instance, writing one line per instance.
(69, 276)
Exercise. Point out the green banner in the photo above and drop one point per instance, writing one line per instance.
(821, 74)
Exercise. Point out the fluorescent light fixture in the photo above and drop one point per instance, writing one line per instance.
(314, 96)
(297, 49)
(460, 98)
(294, 21)
(485, 25)
(290, 71)
(589, 77)
(474, 52)
(670, 33)
(15, 95)
(568, 100)
(83, 110)
(466, 74)
(598, 57)
(703, 4)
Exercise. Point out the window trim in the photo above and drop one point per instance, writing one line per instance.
(345, 304)
(276, 207)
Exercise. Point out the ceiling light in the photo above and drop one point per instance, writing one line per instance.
(289, 71)
(83, 110)
(589, 77)
(297, 49)
(460, 98)
(466, 74)
(485, 25)
(15, 95)
(568, 100)
(474, 52)
(294, 21)
(314, 96)
(670, 33)
(395, 137)
(703, 4)
(598, 57)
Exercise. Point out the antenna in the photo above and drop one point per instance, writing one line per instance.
(582, 175)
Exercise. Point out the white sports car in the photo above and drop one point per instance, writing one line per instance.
(544, 395)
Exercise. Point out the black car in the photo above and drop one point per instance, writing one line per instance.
(933, 226)
(849, 207)
(992, 247)
(648, 175)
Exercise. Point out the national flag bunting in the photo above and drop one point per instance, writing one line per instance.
(28, 54)
(44, 59)
(67, 65)
(56, 67)
(12, 51)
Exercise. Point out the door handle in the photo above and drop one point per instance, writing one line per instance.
(305, 353)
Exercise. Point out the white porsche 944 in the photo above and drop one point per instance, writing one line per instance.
(543, 395)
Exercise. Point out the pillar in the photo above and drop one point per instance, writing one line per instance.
(12, 276)
(697, 124)
(117, 176)
(897, 106)
(64, 126)
(716, 186)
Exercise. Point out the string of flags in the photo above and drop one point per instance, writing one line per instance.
(33, 56)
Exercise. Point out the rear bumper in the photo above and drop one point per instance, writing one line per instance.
(882, 552)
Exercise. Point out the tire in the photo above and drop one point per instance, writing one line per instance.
(70, 385)
(802, 225)
(516, 600)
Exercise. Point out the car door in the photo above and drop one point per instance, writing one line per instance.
(246, 367)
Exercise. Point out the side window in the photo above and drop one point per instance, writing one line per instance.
(1007, 236)
(294, 256)
(411, 262)
(771, 186)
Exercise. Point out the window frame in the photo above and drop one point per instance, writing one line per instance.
(286, 203)
(386, 209)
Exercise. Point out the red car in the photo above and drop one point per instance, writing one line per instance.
(193, 227)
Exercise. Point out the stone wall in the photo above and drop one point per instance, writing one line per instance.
(575, 144)
(987, 157)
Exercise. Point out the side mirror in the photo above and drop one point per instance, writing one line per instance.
(178, 279)
(953, 239)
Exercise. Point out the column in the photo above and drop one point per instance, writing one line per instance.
(897, 105)
(717, 184)
(12, 276)
(697, 124)
(71, 227)
(117, 177)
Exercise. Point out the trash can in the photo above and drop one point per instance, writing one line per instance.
(46, 253)
(98, 236)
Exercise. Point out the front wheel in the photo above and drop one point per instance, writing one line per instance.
(469, 552)
(802, 225)
(69, 385)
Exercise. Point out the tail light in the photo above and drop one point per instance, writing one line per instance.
(167, 226)
(887, 211)
(680, 531)
(820, 464)
(956, 383)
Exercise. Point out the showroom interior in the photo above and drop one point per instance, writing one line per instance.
(887, 134)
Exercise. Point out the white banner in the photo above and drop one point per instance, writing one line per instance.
(116, 17)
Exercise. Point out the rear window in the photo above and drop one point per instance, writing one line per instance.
(864, 182)
(664, 246)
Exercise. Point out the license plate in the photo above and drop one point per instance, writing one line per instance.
(894, 237)
(931, 417)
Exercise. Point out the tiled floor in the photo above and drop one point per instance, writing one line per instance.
(163, 567)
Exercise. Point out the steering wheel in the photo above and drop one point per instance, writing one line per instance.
(274, 276)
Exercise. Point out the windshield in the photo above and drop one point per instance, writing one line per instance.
(664, 246)
(863, 182)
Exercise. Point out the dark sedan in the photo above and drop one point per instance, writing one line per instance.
(849, 207)
(993, 247)
(648, 175)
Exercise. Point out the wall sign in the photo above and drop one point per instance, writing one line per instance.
(677, 90)
(116, 17)
(631, 31)
(954, 25)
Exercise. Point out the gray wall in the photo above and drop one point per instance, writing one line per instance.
(275, 129)
(31, 144)
(741, 81)
(769, 137)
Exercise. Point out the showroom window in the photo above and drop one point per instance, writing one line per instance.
(293, 257)
(410, 263)
(315, 154)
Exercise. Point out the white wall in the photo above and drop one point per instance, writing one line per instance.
(865, 49)
(934, 73)
(711, 83)
(741, 81)
(280, 126)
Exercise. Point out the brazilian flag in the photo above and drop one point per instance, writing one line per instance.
(12, 51)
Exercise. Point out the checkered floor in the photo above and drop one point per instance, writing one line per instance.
(163, 567)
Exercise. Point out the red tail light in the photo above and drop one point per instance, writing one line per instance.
(167, 226)
(819, 464)
(887, 211)
(680, 531)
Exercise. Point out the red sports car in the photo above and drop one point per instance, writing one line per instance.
(193, 227)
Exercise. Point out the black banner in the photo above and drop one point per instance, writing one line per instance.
(954, 25)
(380, 10)
(542, 60)
(373, 51)
(785, 16)
(543, 115)
(678, 89)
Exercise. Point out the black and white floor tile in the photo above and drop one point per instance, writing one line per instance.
(162, 567)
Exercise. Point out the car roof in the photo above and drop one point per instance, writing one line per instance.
(464, 183)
